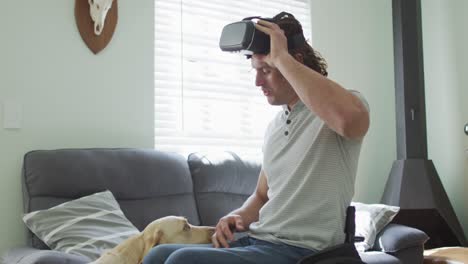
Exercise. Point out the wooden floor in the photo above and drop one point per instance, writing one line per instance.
(446, 255)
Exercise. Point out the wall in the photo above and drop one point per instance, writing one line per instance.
(70, 97)
(445, 65)
(356, 38)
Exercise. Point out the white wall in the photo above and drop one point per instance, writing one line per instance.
(356, 38)
(445, 43)
(70, 97)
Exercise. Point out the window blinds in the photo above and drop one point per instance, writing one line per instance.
(205, 99)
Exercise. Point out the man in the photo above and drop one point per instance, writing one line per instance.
(311, 150)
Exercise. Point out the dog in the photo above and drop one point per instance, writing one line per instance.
(166, 230)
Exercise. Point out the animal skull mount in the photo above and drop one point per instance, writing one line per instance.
(98, 10)
(96, 21)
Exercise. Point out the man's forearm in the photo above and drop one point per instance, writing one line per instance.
(249, 211)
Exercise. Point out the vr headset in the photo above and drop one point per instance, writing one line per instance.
(243, 37)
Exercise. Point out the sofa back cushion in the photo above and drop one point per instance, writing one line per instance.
(222, 182)
(148, 184)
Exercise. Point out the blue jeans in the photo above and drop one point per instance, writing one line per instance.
(244, 250)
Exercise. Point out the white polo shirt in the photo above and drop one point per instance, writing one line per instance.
(310, 172)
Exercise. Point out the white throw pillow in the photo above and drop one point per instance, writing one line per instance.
(86, 226)
(370, 220)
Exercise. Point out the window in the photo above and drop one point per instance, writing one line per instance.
(206, 99)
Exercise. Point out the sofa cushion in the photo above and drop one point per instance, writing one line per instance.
(86, 226)
(370, 220)
(148, 184)
(222, 182)
(371, 257)
(396, 237)
(28, 255)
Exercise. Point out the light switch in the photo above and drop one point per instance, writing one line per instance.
(12, 115)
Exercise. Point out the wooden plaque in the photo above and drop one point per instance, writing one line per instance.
(85, 24)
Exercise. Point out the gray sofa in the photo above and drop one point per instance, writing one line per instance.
(150, 184)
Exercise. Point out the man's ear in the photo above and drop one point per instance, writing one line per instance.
(299, 57)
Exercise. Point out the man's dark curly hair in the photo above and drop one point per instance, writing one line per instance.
(312, 58)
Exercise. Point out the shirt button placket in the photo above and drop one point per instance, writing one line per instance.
(288, 121)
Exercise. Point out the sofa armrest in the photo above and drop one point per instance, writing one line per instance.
(29, 255)
(395, 237)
